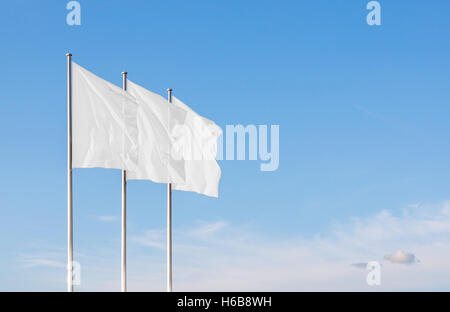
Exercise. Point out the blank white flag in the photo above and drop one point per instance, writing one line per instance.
(104, 125)
(176, 145)
(196, 143)
(155, 120)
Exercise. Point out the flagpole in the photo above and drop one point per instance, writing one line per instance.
(124, 214)
(69, 177)
(169, 223)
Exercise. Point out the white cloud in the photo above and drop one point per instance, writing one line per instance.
(234, 259)
(369, 112)
(207, 229)
(360, 265)
(41, 260)
(150, 238)
(219, 256)
(107, 218)
(44, 263)
(402, 257)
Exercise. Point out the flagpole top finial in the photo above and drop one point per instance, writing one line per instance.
(169, 90)
(124, 73)
(68, 54)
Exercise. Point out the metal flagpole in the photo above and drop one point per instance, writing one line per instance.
(69, 177)
(169, 223)
(124, 214)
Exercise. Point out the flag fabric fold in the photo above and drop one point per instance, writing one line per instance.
(176, 145)
(196, 143)
(155, 120)
(104, 125)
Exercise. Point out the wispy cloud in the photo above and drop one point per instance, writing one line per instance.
(401, 257)
(39, 260)
(107, 218)
(235, 258)
(360, 265)
(208, 228)
(150, 238)
(366, 111)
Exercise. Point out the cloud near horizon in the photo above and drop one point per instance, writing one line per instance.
(401, 257)
(218, 256)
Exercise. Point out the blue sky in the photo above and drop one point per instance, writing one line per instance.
(364, 144)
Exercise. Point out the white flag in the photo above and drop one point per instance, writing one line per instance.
(104, 125)
(155, 120)
(176, 145)
(196, 143)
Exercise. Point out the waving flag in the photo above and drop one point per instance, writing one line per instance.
(196, 143)
(155, 121)
(176, 145)
(104, 126)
